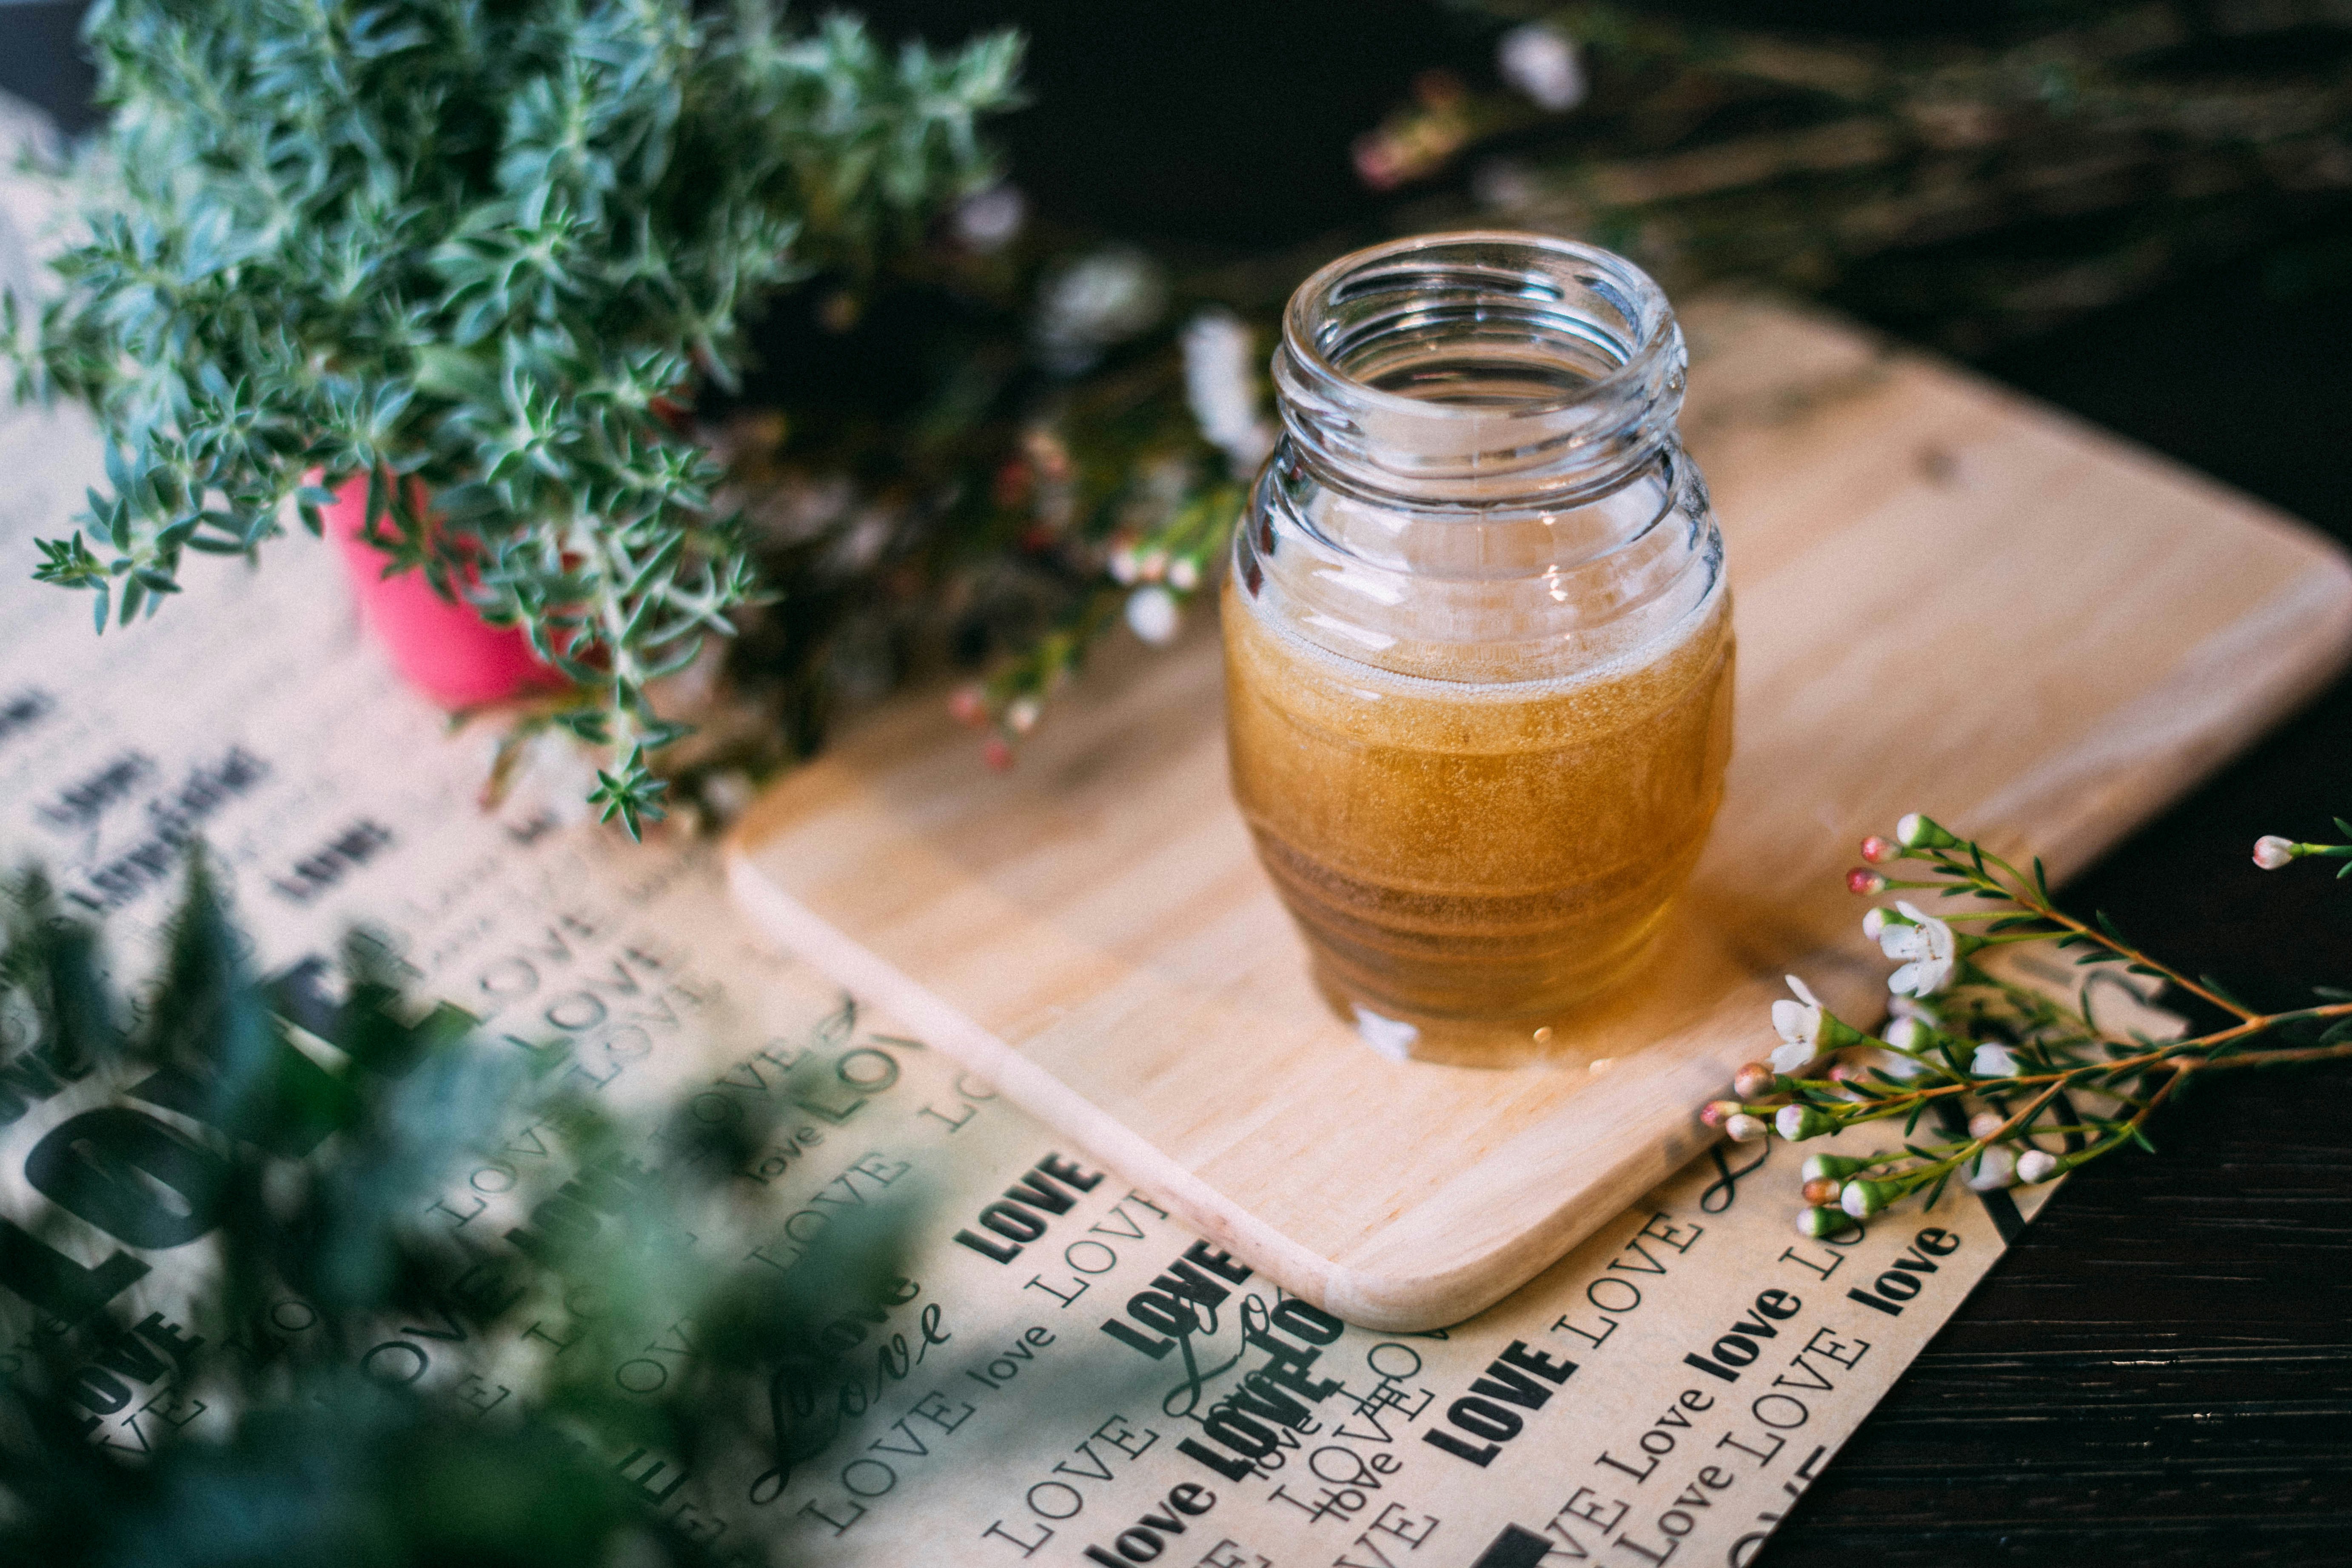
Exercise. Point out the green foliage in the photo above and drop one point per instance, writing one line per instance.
(2009, 1052)
(300, 1455)
(480, 255)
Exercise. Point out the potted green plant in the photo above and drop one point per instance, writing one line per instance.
(454, 273)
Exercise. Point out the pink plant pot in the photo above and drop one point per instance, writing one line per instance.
(443, 650)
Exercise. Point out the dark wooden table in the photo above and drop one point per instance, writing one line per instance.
(2160, 1371)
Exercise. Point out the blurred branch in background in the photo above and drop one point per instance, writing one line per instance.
(1970, 192)
(1028, 468)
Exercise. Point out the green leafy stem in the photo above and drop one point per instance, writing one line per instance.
(1987, 1041)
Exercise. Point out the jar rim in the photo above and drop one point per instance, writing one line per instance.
(1657, 332)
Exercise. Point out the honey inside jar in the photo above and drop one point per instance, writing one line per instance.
(1469, 850)
(1478, 681)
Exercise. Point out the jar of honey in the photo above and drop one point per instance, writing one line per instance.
(1478, 644)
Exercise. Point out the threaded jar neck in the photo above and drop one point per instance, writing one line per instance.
(1479, 369)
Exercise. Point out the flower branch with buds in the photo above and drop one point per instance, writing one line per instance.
(2021, 1087)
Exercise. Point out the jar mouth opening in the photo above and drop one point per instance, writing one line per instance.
(1480, 324)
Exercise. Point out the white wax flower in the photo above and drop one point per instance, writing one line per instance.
(1993, 1061)
(2271, 851)
(1102, 298)
(990, 220)
(1994, 1169)
(1542, 61)
(1925, 948)
(1153, 615)
(2034, 1165)
(1221, 386)
(1800, 1026)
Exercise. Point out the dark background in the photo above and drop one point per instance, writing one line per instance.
(2160, 1371)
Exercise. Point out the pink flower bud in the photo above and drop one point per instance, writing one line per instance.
(1861, 880)
(1823, 1190)
(1879, 851)
(969, 706)
(1745, 1129)
(2271, 851)
(1753, 1081)
(1717, 1112)
(997, 753)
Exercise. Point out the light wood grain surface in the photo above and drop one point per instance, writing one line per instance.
(1947, 599)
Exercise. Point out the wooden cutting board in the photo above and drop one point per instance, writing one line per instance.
(1947, 599)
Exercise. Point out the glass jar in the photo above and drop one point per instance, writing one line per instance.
(1478, 644)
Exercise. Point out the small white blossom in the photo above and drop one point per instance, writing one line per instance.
(1023, 714)
(1153, 615)
(1985, 1123)
(990, 220)
(1221, 386)
(2271, 851)
(1541, 62)
(1184, 573)
(1926, 949)
(1097, 301)
(2034, 1165)
(1873, 921)
(1124, 567)
(1745, 1129)
(1994, 1169)
(1800, 1026)
(1993, 1061)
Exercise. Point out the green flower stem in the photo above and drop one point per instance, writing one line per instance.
(2028, 895)
(2180, 1057)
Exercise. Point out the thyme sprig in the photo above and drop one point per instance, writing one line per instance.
(481, 257)
(2039, 1084)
